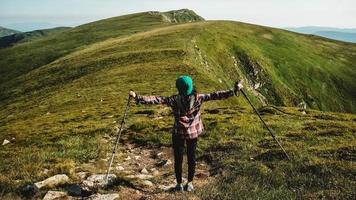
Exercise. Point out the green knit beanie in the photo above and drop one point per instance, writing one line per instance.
(184, 85)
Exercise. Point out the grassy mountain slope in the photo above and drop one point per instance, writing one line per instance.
(60, 106)
(285, 68)
(6, 31)
(16, 38)
(16, 60)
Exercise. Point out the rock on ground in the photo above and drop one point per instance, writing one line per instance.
(5, 142)
(147, 183)
(50, 195)
(166, 187)
(104, 196)
(154, 171)
(82, 175)
(159, 154)
(53, 181)
(144, 171)
(98, 181)
(100, 178)
(45, 171)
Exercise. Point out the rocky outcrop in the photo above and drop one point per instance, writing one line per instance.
(179, 16)
(254, 73)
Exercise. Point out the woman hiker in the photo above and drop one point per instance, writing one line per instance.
(188, 124)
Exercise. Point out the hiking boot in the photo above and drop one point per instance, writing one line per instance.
(178, 188)
(189, 187)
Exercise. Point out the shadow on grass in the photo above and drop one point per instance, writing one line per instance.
(342, 153)
(271, 155)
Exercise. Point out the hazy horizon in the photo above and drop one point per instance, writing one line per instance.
(25, 15)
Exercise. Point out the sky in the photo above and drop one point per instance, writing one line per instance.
(28, 15)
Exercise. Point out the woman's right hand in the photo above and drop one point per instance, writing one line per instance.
(132, 94)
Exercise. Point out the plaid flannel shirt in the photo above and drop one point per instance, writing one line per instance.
(188, 123)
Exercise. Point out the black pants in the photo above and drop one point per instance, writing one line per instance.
(178, 148)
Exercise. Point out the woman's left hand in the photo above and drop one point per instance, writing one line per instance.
(238, 85)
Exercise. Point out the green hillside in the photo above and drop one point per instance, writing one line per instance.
(5, 31)
(62, 94)
(15, 60)
(16, 38)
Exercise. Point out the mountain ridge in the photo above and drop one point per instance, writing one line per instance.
(22, 37)
(313, 29)
(5, 31)
(340, 34)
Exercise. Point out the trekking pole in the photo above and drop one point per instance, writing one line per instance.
(118, 132)
(264, 123)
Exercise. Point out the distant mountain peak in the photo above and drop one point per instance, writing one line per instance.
(179, 16)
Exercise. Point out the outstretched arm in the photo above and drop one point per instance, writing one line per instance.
(222, 94)
(151, 99)
(217, 95)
